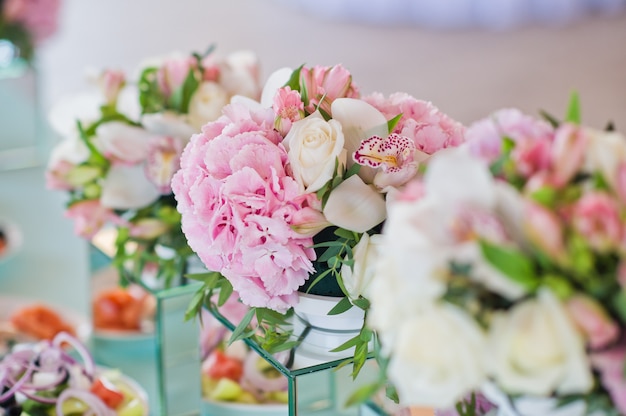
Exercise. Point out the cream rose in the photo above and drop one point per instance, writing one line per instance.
(437, 357)
(357, 279)
(206, 104)
(314, 145)
(605, 153)
(535, 349)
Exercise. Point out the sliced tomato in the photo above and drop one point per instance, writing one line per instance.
(220, 365)
(107, 392)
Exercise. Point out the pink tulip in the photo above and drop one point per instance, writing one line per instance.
(544, 229)
(568, 152)
(593, 321)
(596, 218)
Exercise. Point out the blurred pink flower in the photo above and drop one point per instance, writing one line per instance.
(610, 364)
(238, 205)
(89, 217)
(172, 74)
(596, 218)
(40, 17)
(430, 129)
(485, 138)
(57, 174)
(593, 320)
(163, 161)
(544, 229)
(568, 152)
(111, 83)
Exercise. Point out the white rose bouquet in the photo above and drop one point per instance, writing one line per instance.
(502, 271)
(288, 196)
(122, 144)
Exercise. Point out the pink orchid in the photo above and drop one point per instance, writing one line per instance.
(163, 161)
(394, 155)
(89, 217)
(288, 107)
(593, 320)
(596, 218)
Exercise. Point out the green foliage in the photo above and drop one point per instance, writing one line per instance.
(391, 124)
(512, 263)
(573, 109)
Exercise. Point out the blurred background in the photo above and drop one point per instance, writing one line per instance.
(469, 57)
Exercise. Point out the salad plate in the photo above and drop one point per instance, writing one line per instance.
(25, 320)
(10, 239)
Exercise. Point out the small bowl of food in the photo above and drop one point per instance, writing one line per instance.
(10, 239)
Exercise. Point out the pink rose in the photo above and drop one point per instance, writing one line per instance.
(610, 364)
(592, 319)
(596, 217)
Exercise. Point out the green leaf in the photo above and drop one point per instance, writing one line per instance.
(363, 393)
(151, 98)
(362, 303)
(318, 278)
(545, 195)
(179, 100)
(226, 289)
(343, 305)
(512, 263)
(352, 342)
(208, 278)
(241, 331)
(619, 303)
(343, 233)
(294, 80)
(391, 124)
(573, 109)
(195, 306)
(330, 253)
(352, 170)
(554, 122)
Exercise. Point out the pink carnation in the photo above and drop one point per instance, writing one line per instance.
(430, 129)
(238, 205)
(38, 16)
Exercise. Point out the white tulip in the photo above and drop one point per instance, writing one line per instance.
(122, 141)
(127, 187)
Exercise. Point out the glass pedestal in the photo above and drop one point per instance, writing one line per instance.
(319, 382)
(164, 355)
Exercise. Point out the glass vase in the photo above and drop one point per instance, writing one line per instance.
(319, 381)
(22, 137)
(163, 356)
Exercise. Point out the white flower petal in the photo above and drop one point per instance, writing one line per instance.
(275, 81)
(126, 187)
(168, 124)
(355, 206)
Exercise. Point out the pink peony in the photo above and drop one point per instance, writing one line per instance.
(238, 206)
(430, 129)
(38, 16)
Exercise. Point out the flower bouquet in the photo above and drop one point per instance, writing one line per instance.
(285, 198)
(121, 146)
(23, 25)
(501, 271)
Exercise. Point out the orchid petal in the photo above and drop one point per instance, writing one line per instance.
(168, 123)
(355, 206)
(127, 187)
(275, 81)
(359, 121)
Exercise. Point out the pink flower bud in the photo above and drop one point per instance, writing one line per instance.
(544, 229)
(89, 217)
(111, 83)
(325, 84)
(568, 152)
(288, 107)
(592, 320)
(173, 73)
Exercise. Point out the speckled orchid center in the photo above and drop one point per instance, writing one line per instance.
(390, 153)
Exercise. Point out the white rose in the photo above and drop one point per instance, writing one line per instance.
(122, 141)
(605, 153)
(206, 104)
(240, 74)
(436, 359)
(127, 187)
(314, 145)
(535, 349)
(357, 279)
